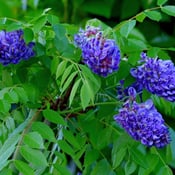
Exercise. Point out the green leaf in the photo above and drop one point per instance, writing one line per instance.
(153, 52)
(62, 170)
(123, 74)
(23, 167)
(40, 49)
(6, 171)
(169, 9)
(14, 26)
(153, 15)
(28, 35)
(10, 124)
(45, 131)
(40, 23)
(141, 17)
(96, 22)
(165, 170)
(61, 41)
(21, 94)
(7, 149)
(59, 30)
(6, 78)
(127, 27)
(60, 69)
(68, 81)
(85, 95)
(138, 157)
(118, 155)
(52, 19)
(130, 167)
(4, 106)
(90, 156)
(73, 91)
(91, 77)
(66, 74)
(102, 167)
(71, 138)
(40, 78)
(3, 92)
(11, 97)
(36, 157)
(3, 164)
(145, 95)
(66, 147)
(135, 45)
(143, 171)
(161, 2)
(54, 117)
(152, 160)
(34, 140)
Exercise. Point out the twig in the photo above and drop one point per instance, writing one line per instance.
(34, 118)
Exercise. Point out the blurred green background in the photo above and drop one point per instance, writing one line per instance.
(112, 12)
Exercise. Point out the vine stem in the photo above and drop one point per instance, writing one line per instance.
(34, 117)
(10, 19)
(95, 104)
(135, 16)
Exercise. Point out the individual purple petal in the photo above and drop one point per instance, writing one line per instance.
(122, 92)
(132, 92)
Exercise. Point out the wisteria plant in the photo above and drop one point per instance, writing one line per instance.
(86, 98)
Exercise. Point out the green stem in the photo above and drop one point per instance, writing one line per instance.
(134, 17)
(10, 19)
(76, 110)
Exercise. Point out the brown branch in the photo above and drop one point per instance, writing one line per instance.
(61, 103)
(34, 118)
(71, 115)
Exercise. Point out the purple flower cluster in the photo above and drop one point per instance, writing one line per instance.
(13, 48)
(102, 55)
(157, 76)
(143, 122)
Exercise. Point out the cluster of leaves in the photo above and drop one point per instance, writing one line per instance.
(56, 116)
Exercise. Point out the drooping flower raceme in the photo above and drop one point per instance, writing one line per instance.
(157, 76)
(143, 122)
(13, 48)
(102, 55)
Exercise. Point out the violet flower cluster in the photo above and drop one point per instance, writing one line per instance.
(101, 55)
(13, 48)
(157, 76)
(143, 122)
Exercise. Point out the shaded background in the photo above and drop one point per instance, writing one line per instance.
(109, 11)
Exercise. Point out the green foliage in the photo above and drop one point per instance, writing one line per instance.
(56, 115)
(169, 10)
(23, 167)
